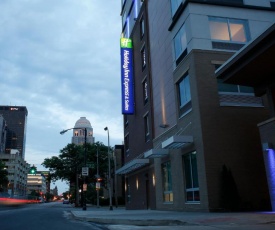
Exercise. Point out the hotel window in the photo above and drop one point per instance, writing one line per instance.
(124, 18)
(233, 89)
(180, 45)
(126, 143)
(226, 31)
(167, 182)
(142, 27)
(143, 57)
(146, 128)
(145, 91)
(191, 177)
(126, 121)
(175, 5)
(184, 95)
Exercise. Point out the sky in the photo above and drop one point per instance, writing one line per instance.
(61, 59)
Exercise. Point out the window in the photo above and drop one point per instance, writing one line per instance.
(167, 182)
(126, 121)
(146, 128)
(175, 5)
(145, 91)
(142, 27)
(230, 88)
(230, 30)
(126, 142)
(191, 177)
(180, 45)
(124, 18)
(234, 89)
(184, 95)
(143, 57)
(231, 2)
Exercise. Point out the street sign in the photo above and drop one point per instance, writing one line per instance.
(91, 165)
(85, 171)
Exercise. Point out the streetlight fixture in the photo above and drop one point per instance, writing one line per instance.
(109, 164)
(84, 188)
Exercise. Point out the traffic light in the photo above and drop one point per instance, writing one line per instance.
(33, 170)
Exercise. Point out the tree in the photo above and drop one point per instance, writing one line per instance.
(68, 164)
(3, 177)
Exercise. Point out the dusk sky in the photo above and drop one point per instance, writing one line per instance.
(61, 59)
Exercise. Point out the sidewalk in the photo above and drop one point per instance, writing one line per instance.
(120, 216)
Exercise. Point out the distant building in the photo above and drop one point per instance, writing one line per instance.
(16, 121)
(79, 132)
(118, 181)
(17, 173)
(48, 181)
(37, 183)
(3, 133)
(54, 191)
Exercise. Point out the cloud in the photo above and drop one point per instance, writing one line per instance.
(61, 60)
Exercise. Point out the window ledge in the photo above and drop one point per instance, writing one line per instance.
(192, 202)
(168, 203)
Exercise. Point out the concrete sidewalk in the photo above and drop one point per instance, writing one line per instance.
(120, 216)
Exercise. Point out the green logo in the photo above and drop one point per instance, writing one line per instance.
(126, 43)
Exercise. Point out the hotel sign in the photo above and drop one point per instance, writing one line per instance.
(127, 76)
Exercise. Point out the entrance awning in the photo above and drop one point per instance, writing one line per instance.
(132, 166)
(156, 153)
(176, 142)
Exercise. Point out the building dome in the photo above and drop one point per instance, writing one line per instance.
(83, 123)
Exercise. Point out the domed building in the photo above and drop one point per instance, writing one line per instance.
(79, 132)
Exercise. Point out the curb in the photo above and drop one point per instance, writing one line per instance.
(136, 222)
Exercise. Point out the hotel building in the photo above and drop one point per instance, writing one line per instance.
(192, 141)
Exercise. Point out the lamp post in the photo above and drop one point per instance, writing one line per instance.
(84, 188)
(109, 164)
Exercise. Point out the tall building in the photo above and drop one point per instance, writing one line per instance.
(79, 132)
(193, 144)
(16, 121)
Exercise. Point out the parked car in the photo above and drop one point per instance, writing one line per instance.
(65, 201)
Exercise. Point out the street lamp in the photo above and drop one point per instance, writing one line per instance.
(109, 164)
(84, 189)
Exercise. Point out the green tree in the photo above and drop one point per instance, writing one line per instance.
(68, 165)
(3, 177)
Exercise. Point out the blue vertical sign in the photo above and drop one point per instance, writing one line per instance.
(127, 85)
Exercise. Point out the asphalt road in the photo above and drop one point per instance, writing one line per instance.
(46, 216)
(57, 216)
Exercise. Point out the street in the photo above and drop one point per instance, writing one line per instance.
(45, 216)
(56, 215)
